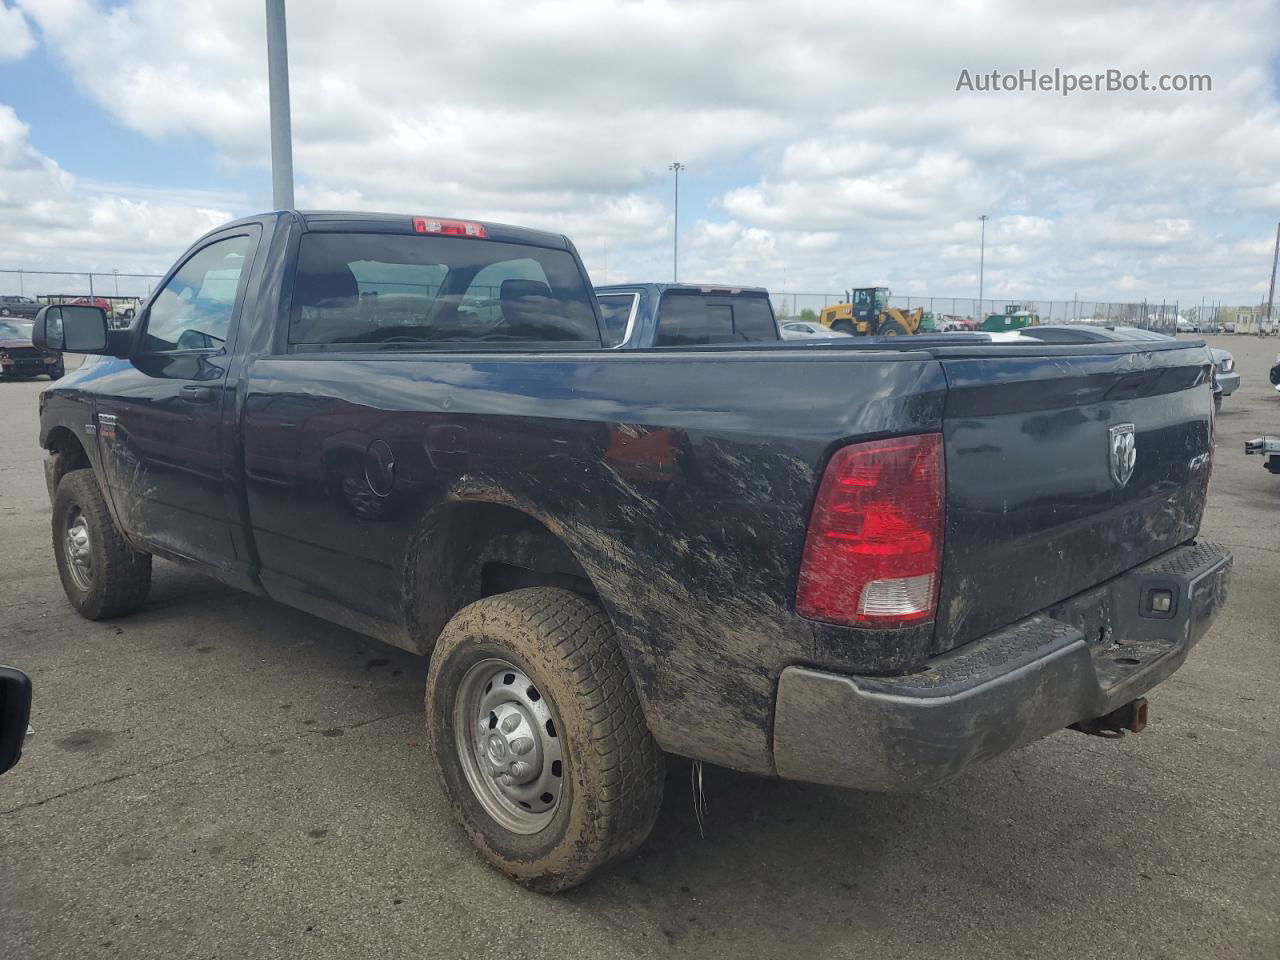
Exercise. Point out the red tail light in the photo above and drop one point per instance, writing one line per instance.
(451, 228)
(873, 554)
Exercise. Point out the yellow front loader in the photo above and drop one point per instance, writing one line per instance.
(868, 314)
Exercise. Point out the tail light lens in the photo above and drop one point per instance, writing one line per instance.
(873, 553)
(449, 228)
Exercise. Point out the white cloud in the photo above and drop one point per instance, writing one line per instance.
(831, 135)
(15, 36)
(52, 221)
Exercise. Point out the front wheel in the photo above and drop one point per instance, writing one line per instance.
(893, 328)
(539, 738)
(101, 574)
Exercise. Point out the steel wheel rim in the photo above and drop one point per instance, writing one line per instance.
(507, 742)
(78, 549)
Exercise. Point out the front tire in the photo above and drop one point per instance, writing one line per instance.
(539, 737)
(101, 574)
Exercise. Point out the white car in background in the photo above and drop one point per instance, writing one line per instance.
(804, 330)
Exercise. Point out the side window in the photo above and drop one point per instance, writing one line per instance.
(193, 310)
(616, 309)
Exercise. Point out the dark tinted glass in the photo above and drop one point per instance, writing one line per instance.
(367, 288)
(616, 310)
(686, 319)
(753, 320)
(682, 321)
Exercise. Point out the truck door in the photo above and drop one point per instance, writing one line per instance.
(160, 428)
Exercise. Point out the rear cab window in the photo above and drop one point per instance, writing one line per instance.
(379, 290)
(695, 319)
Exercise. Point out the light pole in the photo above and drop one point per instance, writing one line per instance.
(116, 273)
(677, 166)
(982, 259)
(278, 84)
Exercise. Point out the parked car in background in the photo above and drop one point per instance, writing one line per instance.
(952, 323)
(20, 359)
(804, 330)
(642, 315)
(1225, 373)
(101, 303)
(15, 306)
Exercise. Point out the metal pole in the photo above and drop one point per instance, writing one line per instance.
(677, 166)
(982, 259)
(278, 82)
(1271, 294)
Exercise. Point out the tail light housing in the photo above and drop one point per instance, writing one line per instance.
(873, 552)
(449, 228)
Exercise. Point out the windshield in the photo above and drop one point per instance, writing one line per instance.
(10, 330)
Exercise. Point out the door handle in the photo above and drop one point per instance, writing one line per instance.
(193, 394)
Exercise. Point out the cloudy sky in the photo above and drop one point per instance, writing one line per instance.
(826, 144)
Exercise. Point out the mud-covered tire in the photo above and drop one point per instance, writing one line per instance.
(119, 576)
(612, 772)
(892, 328)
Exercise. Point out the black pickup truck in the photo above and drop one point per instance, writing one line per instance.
(854, 562)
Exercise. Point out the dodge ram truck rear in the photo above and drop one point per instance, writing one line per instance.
(857, 562)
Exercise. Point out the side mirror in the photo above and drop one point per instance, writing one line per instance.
(15, 713)
(76, 329)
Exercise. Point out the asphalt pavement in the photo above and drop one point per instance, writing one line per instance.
(221, 776)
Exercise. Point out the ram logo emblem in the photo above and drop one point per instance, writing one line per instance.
(1123, 452)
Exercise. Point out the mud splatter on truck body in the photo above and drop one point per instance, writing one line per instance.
(387, 480)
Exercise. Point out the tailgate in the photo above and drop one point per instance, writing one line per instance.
(1043, 497)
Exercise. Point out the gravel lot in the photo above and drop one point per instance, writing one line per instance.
(219, 776)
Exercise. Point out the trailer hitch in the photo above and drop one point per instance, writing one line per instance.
(1132, 717)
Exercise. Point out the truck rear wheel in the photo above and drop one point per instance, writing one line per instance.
(101, 574)
(537, 732)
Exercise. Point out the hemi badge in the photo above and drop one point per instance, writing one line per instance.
(107, 426)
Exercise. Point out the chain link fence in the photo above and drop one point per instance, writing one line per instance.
(122, 292)
(969, 311)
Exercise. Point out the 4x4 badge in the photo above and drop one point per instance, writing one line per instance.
(1123, 454)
